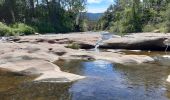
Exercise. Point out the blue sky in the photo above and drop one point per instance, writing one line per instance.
(98, 6)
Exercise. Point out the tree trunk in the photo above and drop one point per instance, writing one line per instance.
(37, 2)
(12, 15)
(32, 9)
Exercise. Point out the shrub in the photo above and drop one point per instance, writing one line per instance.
(15, 29)
(5, 30)
(21, 29)
(162, 27)
(73, 46)
(148, 28)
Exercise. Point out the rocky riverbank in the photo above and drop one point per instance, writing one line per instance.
(29, 55)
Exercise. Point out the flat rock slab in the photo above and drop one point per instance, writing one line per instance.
(140, 41)
(109, 56)
(44, 69)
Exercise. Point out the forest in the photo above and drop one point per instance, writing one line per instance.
(43, 16)
(129, 16)
(23, 17)
(84, 49)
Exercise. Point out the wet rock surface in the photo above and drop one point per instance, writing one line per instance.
(36, 54)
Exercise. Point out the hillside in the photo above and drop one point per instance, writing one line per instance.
(94, 16)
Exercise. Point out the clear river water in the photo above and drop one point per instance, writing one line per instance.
(105, 81)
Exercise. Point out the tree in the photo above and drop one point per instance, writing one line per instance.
(45, 15)
(127, 16)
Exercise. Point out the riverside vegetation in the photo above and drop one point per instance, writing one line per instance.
(43, 16)
(23, 17)
(127, 16)
(67, 67)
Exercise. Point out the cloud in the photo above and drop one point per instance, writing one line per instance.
(98, 1)
(99, 10)
(98, 6)
(94, 1)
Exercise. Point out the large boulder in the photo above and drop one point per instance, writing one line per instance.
(135, 43)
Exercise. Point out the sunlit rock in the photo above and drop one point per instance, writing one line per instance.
(168, 79)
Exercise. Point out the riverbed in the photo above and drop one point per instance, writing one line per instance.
(104, 81)
(44, 68)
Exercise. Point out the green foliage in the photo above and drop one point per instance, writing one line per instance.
(74, 46)
(5, 30)
(15, 29)
(167, 23)
(149, 28)
(43, 27)
(128, 16)
(44, 15)
(22, 29)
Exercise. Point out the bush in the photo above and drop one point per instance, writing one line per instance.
(74, 46)
(15, 29)
(148, 28)
(23, 29)
(162, 27)
(5, 30)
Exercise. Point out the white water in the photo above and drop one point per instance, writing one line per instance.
(167, 42)
(98, 43)
(105, 36)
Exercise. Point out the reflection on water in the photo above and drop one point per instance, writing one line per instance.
(105, 81)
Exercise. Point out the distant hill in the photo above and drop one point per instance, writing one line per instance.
(94, 16)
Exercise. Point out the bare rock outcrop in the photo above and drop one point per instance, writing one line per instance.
(35, 54)
(45, 70)
(140, 43)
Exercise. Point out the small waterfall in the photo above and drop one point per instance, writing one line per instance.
(98, 43)
(105, 36)
(167, 42)
(166, 48)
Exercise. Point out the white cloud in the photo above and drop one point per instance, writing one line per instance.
(98, 6)
(98, 1)
(94, 1)
(96, 10)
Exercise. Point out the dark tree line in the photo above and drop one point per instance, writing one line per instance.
(44, 15)
(127, 16)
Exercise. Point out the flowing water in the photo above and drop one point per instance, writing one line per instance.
(104, 36)
(105, 81)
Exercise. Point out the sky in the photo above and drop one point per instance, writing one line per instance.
(98, 6)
